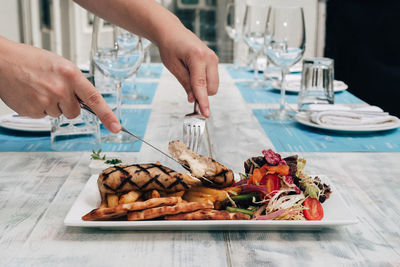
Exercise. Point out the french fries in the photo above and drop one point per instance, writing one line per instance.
(219, 194)
(233, 190)
(151, 194)
(112, 200)
(155, 194)
(130, 197)
(200, 193)
(175, 194)
(103, 204)
(193, 196)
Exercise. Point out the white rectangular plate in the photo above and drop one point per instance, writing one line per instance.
(336, 213)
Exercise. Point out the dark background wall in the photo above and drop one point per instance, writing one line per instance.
(363, 37)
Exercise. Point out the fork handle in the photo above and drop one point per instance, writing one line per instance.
(196, 108)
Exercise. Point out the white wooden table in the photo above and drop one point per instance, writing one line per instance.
(38, 189)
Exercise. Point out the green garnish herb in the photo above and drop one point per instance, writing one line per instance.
(113, 161)
(96, 155)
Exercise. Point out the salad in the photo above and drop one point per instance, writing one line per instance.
(276, 188)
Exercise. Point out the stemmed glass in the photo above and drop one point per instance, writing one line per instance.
(147, 58)
(118, 61)
(254, 22)
(285, 40)
(233, 27)
(129, 41)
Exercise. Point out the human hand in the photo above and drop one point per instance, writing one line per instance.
(189, 59)
(193, 64)
(35, 83)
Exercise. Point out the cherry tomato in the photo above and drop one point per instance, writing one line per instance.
(313, 210)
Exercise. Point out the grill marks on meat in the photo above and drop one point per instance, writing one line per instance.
(201, 167)
(141, 177)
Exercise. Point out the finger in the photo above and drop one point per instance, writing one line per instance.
(212, 75)
(34, 111)
(70, 107)
(182, 74)
(53, 111)
(36, 115)
(91, 97)
(47, 106)
(198, 82)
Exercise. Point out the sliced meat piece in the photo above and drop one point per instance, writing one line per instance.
(122, 209)
(209, 215)
(141, 177)
(202, 166)
(167, 210)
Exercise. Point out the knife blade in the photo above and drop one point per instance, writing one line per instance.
(155, 148)
(87, 108)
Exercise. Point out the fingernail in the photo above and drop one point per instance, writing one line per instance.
(207, 112)
(115, 127)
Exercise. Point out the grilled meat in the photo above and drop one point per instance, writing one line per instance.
(202, 166)
(209, 215)
(121, 210)
(167, 210)
(141, 177)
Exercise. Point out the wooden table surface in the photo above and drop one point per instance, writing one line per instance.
(37, 189)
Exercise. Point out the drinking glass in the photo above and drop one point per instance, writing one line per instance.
(118, 61)
(285, 40)
(254, 24)
(80, 133)
(129, 41)
(316, 82)
(147, 58)
(233, 27)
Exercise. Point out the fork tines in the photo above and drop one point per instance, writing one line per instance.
(193, 128)
(193, 134)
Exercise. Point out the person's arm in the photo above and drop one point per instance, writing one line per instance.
(189, 59)
(35, 83)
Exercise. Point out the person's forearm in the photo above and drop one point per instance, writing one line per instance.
(143, 17)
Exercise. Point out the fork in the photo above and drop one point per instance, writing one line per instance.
(185, 166)
(193, 128)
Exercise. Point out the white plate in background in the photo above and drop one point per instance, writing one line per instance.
(18, 123)
(293, 84)
(336, 213)
(304, 119)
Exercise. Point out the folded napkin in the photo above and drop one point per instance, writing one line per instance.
(359, 118)
(16, 121)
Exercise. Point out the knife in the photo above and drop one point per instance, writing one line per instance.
(87, 108)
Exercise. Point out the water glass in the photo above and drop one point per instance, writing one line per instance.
(81, 133)
(316, 82)
(233, 26)
(104, 84)
(284, 44)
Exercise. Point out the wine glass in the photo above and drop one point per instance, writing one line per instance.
(147, 58)
(233, 27)
(285, 40)
(254, 24)
(119, 62)
(129, 41)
